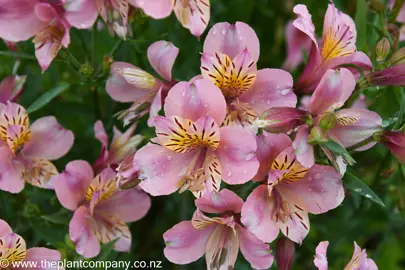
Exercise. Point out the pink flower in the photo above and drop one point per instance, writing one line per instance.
(11, 87)
(229, 60)
(191, 150)
(192, 14)
(219, 238)
(291, 192)
(346, 127)
(122, 145)
(26, 151)
(115, 15)
(391, 76)
(49, 21)
(359, 260)
(338, 46)
(129, 83)
(13, 251)
(101, 211)
(395, 141)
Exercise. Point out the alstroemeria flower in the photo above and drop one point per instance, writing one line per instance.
(219, 237)
(122, 145)
(191, 150)
(48, 20)
(229, 61)
(401, 19)
(338, 46)
(13, 251)
(359, 260)
(11, 87)
(395, 142)
(129, 83)
(346, 127)
(26, 151)
(192, 14)
(115, 15)
(290, 193)
(101, 210)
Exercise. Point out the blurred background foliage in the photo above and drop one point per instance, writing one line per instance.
(37, 215)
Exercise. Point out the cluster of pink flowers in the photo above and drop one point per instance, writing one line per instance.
(233, 123)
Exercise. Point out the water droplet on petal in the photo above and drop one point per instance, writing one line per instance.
(183, 94)
(318, 176)
(285, 92)
(368, 196)
(229, 173)
(245, 171)
(169, 157)
(250, 156)
(223, 31)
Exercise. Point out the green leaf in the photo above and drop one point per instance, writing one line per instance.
(339, 150)
(46, 98)
(361, 23)
(106, 250)
(17, 55)
(355, 184)
(60, 217)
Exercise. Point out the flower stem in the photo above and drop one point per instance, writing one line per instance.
(361, 144)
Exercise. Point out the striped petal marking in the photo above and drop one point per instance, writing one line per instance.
(12, 248)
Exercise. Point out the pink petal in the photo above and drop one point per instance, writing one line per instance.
(4, 228)
(361, 102)
(101, 135)
(72, 184)
(296, 226)
(128, 83)
(367, 123)
(45, 12)
(220, 202)
(18, 20)
(43, 256)
(155, 108)
(332, 92)
(11, 87)
(81, 13)
(257, 214)
(223, 240)
(269, 146)
(361, 60)
(82, 234)
(360, 261)
(319, 191)
(193, 15)
(237, 154)
(156, 9)
(184, 243)
(321, 261)
(338, 21)
(298, 43)
(255, 251)
(122, 204)
(160, 168)
(273, 88)
(194, 100)
(49, 140)
(304, 23)
(302, 149)
(10, 172)
(312, 73)
(232, 40)
(162, 55)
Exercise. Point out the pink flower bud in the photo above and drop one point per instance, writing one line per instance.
(394, 76)
(285, 249)
(395, 142)
(280, 120)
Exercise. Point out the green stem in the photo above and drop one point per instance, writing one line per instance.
(361, 144)
(17, 55)
(395, 10)
(401, 99)
(93, 44)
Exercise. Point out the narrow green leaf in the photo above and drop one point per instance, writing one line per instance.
(47, 97)
(60, 217)
(106, 250)
(355, 184)
(361, 23)
(17, 55)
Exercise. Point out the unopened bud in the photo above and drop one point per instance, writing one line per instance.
(285, 249)
(328, 121)
(382, 49)
(282, 119)
(397, 57)
(107, 61)
(376, 5)
(316, 136)
(86, 70)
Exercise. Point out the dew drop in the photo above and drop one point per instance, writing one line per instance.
(284, 92)
(183, 94)
(169, 157)
(250, 156)
(318, 176)
(368, 196)
(223, 31)
(229, 173)
(245, 171)
(268, 102)
(357, 189)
